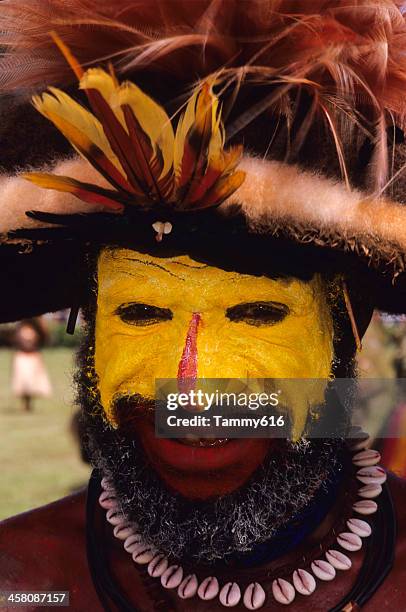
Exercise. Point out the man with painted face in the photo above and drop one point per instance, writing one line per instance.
(233, 211)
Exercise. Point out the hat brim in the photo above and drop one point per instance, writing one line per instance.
(50, 277)
(360, 236)
(41, 280)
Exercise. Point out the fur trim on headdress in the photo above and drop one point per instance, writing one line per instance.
(275, 198)
(286, 201)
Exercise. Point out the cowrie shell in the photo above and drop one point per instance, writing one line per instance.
(123, 530)
(114, 516)
(366, 458)
(357, 438)
(365, 506)
(158, 226)
(106, 483)
(108, 500)
(132, 541)
(172, 577)
(188, 587)
(143, 553)
(209, 588)
(359, 527)
(372, 475)
(338, 560)
(283, 591)
(349, 541)
(323, 570)
(254, 596)
(230, 594)
(158, 565)
(303, 582)
(162, 228)
(370, 491)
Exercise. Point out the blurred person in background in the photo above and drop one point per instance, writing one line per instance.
(376, 367)
(29, 374)
(393, 433)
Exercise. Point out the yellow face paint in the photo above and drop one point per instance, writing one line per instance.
(185, 294)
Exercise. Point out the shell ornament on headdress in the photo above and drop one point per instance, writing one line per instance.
(130, 140)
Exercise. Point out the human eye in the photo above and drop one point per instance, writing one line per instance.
(138, 313)
(258, 313)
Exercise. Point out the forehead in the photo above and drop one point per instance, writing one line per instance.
(125, 271)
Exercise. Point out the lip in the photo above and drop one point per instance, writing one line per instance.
(197, 471)
(201, 472)
(205, 442)
(190, 458)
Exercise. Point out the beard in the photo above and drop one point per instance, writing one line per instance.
(207, 531)
(201, 531)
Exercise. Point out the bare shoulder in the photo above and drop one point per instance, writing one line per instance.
(391, 594)
(37, 546)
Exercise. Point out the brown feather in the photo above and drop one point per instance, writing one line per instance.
(119, 140)
(148, 166)
(88, 192)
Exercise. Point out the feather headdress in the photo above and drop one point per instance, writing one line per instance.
(348, 55)
(131, 142)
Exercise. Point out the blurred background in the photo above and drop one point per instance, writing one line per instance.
(40, 455)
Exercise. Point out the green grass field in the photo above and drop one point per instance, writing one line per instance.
(38, 456)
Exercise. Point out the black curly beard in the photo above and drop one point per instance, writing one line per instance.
(212, 530)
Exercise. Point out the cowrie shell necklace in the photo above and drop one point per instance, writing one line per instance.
(304, 581)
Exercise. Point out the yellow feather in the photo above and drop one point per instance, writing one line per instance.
(106, 84)
(51, 181)
(202, 102)
(184, 124)
(226, 186)
(67, 53)
(66, 114)
(229, 159)
(206, 109)
(79, 140)
(218, 135)
(153, 120)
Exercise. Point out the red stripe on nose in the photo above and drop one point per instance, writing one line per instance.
(188, 362)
